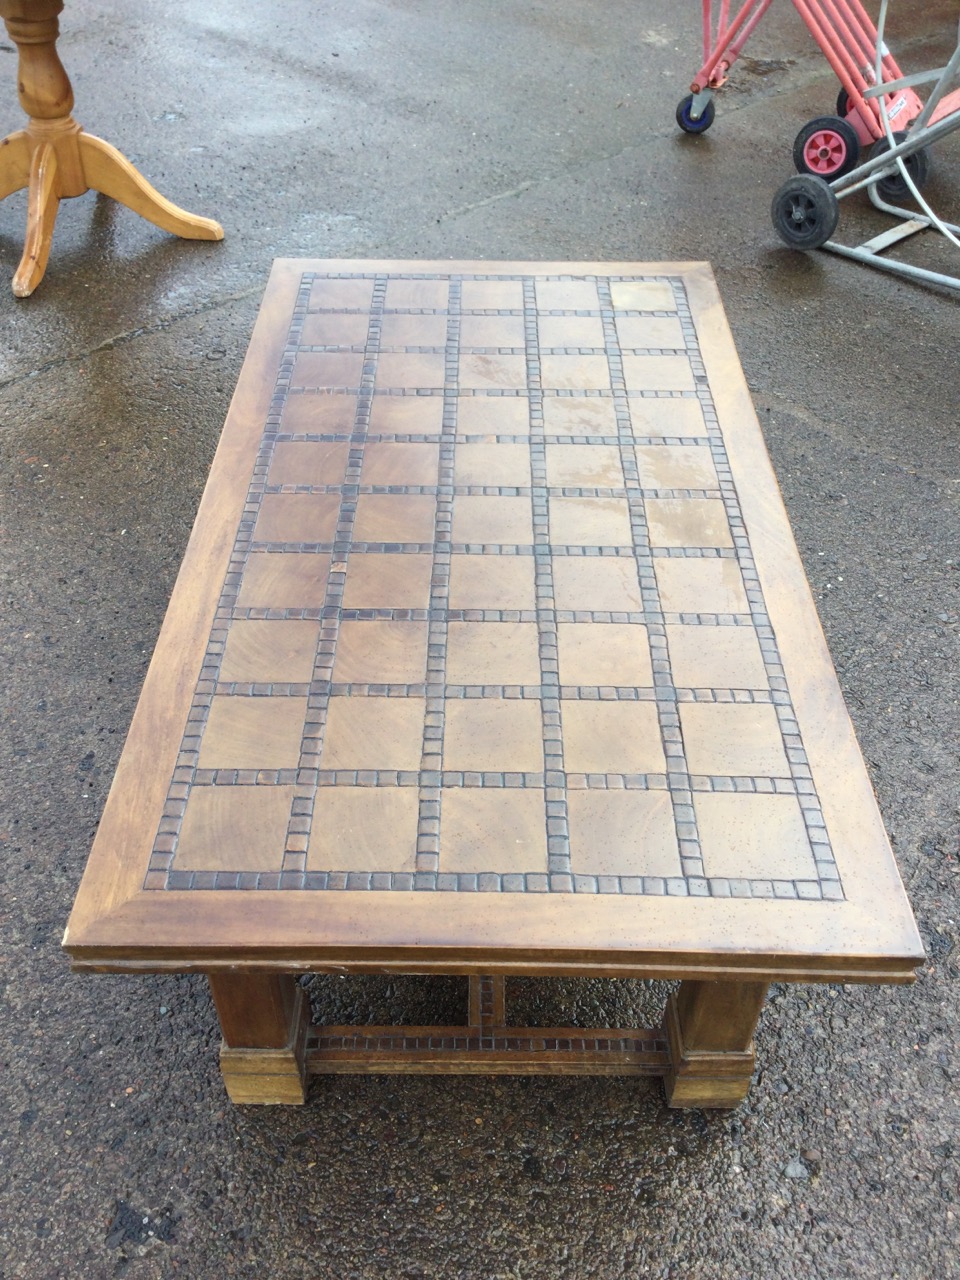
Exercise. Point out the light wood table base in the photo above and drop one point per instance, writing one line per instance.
(54, 159)
(704, 1049)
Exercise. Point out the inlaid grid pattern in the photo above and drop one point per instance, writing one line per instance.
(492, 620)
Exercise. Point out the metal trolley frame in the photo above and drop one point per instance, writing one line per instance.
(878, 141)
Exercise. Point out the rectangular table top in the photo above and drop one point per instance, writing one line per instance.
(491, 650)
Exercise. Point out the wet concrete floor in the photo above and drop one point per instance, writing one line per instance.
(486, 129)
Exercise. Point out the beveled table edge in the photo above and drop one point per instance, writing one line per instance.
(491, 933)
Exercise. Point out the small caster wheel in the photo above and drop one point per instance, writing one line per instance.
(805, 212)
(892, 186)
(687, 122)
(827, 147)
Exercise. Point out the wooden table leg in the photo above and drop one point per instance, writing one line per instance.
(264, 1019)
(55, 159)
(709, 1027)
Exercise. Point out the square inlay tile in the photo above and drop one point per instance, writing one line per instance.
(718, 658)
(496, 653)
(676, 467)
(387, 581)
(623, 833)
(584, 466)
(297, 517)
(493, 416)
(667, 416)
(342, 295)
(425, 295)
(579, 416)
(319, 414)
(364, 829)
(408, 369)
(419, 415)
(400, 464)
(335, 330)
(657, 373)
(394, 518)
(650, 332)
(234, 829)
(492, 520)
(700, 586)
(284, 580)
(493, 830)
(492, 331)
(753, 837)
(493, 371)
(604, 654)
(492, 582)
(491, 295)
(574, 371)
(642, 295)
(309, 464)
(611, 737)
(414, 331)
(492, 465)
(733, 741)
(490, 734)
(576, 332)
(688, 522)
(381, 653)
(270, 652)
(328, 369)
(606, 584)
(591, 522)
(253, 733)
(373, 733)
(567, 295)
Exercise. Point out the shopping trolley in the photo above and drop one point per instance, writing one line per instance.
(877, 108)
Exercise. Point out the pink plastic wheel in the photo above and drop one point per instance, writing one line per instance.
(825, 153)
(826, 148)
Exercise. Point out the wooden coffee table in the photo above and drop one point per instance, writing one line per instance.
(492, 654)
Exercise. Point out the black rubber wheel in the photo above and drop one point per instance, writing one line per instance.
(892, 186)
(686, 121)
(827, 147)
(805, 212)
(843, 104)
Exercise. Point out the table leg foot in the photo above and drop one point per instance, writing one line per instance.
(264, 1019)
(43, 201)
(709, 1028)
(108, 171)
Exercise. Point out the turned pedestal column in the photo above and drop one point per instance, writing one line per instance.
(54, 159)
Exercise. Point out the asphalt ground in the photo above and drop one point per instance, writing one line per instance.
(482, 129)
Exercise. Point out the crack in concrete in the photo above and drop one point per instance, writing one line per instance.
(501, 195)
(130, 335)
